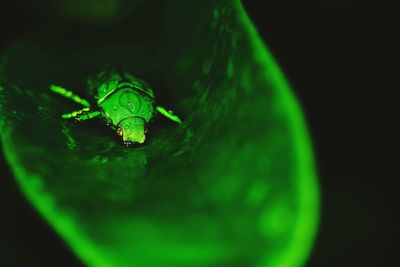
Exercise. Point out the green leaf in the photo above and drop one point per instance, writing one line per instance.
(233, 185)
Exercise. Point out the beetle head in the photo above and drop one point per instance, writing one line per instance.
(132, 130)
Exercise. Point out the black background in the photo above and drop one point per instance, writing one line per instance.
(339, 57)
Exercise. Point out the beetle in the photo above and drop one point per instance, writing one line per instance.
(125, 102)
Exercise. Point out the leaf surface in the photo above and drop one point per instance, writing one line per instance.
(233, 185)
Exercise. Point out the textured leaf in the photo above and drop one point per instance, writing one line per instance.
(234, 185)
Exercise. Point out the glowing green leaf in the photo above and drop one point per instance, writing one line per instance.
(234, 185)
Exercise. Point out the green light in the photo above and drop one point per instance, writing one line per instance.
(233, 185)
(124, 102)
(63, 223)
(168, 114)
(70, 95)
(307, 191)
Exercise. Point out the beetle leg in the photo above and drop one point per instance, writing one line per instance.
(169, 114)
(70, 95)
(81, 115)
(88, 116)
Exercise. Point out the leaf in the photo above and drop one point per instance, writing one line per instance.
(233, 185)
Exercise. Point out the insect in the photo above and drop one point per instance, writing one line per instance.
(124, 102)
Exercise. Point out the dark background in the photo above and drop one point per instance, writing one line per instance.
(339, 57)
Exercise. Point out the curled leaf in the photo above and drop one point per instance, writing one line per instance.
(232, 185)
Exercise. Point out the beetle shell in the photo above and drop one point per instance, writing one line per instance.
(126, 103)
(108, 81)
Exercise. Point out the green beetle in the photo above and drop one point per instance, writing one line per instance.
(124, 102)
